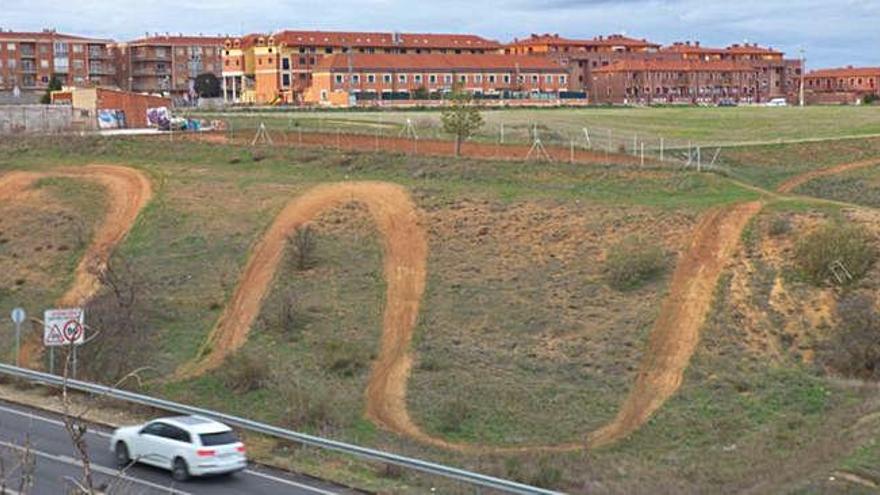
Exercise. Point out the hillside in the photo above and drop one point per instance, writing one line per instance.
(591, 328)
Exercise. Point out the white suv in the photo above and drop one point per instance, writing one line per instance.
(186, 445)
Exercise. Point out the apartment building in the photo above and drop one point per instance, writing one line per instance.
(676, 81)
(29, 60)
(778, 77)
(347, 79)
(842, 85)
(583, 55)
(168, 64)
(278, 67)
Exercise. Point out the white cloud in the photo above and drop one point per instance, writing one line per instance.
(832, 32)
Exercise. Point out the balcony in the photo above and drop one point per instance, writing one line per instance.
(150, 57)
(27, 52)
(101, 70)
(28, 68)
(151, 72)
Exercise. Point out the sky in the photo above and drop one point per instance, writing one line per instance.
(832, 32)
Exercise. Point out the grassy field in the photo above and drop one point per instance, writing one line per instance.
(678, 126)
(521, 340)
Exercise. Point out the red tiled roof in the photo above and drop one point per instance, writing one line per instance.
(555, 39)
(50, 35)
(688, 47)
(384, 61)
(376, 39)
(846, 72)
(178, 40)
(674, 66)
(753, 49)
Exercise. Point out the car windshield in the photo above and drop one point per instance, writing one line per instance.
(222, 438)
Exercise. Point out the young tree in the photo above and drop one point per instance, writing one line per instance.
(207, 85)
(54, 85)
(461, 118)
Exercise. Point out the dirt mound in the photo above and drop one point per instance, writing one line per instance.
(128, 191)
(799, 180)
(406, 250)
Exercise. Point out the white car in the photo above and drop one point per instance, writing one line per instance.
(185, 445)
(777, 102)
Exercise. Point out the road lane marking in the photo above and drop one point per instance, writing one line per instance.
(289, 482)
(107, 435)
(49, 420)
(95, 467)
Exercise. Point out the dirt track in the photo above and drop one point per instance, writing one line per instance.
(128, 191)
(405, 249)
(799, 180)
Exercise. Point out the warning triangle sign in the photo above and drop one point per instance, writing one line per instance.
(53, 336)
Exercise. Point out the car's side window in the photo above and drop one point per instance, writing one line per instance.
(155, 429)
(178, 434)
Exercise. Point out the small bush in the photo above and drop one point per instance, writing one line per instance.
(246, 371)
(344, 358)
(547, 474)
(779, 226)
(304, 245)
(854, 349)
(836, 254)
(308, 406)
(453, 415)
(632, 263)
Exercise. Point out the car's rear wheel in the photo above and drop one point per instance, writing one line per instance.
(122, 456)
(180, 471)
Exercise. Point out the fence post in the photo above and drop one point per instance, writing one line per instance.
(699, 160)
(662, 158)
(643, 154)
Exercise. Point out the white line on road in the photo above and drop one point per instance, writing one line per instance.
(289, 482)
(258, 474)
(96, 467)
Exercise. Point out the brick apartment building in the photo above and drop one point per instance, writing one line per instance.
(168, 64)
(338, 78)
(583, 55)
(675, 81)
(776, 76)
(278, 68)
(842, 85)
(29, 60)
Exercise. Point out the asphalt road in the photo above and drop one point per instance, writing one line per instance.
(57, 466)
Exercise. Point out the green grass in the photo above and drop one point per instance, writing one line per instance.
(705, 126)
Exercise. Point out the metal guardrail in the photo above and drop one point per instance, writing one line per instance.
(476, 479)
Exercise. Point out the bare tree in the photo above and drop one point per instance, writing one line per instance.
(304, 244)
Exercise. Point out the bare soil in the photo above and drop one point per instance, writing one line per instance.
(128, 191)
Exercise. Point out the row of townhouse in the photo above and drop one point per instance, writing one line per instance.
(843, 85)
(602, 65)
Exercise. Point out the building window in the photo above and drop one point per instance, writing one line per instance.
(478, 78)
(10, 47)
(447, 78)
(491, 78)
(548, 79)
(506, 78)
(371, 78)
(462, 79)
(285, 63)
(534, 79)
(418, 78)
(328, 50)
(562, 79)
(285, 80)
(356, 78)
(160, 52)
(77, 48)
(401, 78)
(340, 78)
(432, 78)
(386, 78)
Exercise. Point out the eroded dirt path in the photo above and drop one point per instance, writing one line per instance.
(799, 180)
(405, 249)
(128, 192)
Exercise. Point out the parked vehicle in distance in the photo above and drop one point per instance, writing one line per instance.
(185, 445)
(777, 102)
(727, 102)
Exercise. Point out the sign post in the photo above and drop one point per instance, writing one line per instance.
(18, 317)
(63, 327)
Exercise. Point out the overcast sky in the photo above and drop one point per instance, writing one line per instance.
(833, 32)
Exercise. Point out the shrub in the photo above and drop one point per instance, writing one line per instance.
(547, 474)
(308, 406)
(453, 415)
(836, 253)
(246, 371)
(854, 349)
(304, 244)
(632, 263)
(779, 226)
(344, 358)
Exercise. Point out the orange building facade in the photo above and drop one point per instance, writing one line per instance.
(278, 68)
(346, 79)
(842, 85)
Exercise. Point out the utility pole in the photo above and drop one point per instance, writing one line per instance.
(803, 75)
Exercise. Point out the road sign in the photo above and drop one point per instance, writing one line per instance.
(63, 327)
(18, 316)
